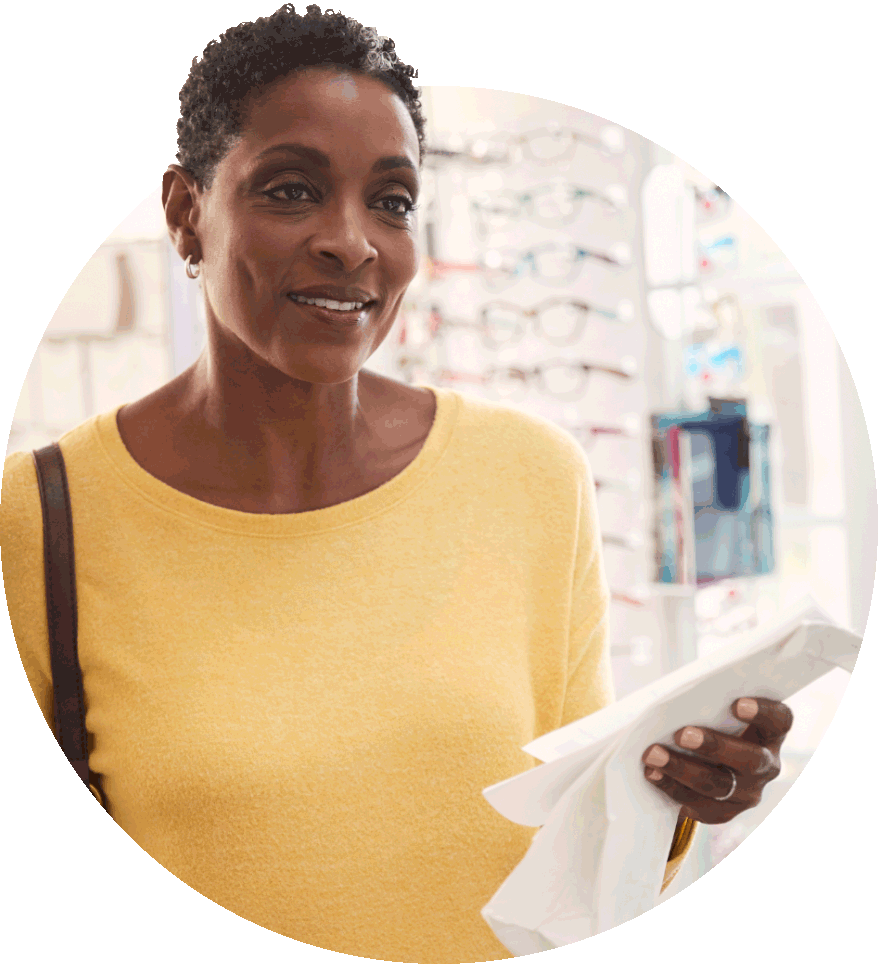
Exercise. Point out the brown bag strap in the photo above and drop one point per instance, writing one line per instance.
(69, 697)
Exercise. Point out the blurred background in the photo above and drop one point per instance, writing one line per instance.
(580, 272)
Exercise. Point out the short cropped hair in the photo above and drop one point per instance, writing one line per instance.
(246, 58)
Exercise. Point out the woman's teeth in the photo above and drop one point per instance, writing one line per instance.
(329, 303)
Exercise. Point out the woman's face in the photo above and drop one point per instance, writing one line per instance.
(313, 201)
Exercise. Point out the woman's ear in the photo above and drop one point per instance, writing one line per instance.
(180, 194)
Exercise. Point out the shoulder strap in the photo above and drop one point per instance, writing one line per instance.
(69, 698)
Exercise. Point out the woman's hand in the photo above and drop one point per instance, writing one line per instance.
(742, 764)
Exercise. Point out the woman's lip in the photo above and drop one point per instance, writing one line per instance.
(349, 318)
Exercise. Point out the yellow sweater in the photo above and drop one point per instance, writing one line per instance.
(296, 714)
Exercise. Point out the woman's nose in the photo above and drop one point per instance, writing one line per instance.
(343, 237)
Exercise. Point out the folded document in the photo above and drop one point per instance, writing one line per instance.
(599, 858)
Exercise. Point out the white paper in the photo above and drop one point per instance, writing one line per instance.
(599, 858)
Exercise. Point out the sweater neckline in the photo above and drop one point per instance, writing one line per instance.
(390, 493)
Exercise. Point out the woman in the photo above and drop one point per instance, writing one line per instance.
(321, 610)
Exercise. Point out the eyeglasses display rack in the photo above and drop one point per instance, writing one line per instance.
(580, 272)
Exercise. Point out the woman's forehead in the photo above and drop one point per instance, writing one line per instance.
(326, 111)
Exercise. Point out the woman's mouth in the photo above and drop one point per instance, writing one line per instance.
(331, 310)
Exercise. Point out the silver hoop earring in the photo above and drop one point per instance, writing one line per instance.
(192, 271)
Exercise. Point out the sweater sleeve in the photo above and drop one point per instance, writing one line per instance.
(24, 579)
(590, 678)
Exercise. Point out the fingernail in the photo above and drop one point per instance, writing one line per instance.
(657, 756)
(747, 708)
(654, 775)
(691, 738)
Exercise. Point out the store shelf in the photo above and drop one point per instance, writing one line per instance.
(672, 590)
(799, 520)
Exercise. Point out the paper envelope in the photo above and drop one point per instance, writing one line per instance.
(599, 858)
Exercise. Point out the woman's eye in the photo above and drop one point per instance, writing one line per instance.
(296, 186)
(289, 186)
(399, 199)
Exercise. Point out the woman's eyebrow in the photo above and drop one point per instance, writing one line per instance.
(319, 159)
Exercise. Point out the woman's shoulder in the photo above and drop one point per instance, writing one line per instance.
(21, 549)
(19, 502)
(526, 431)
